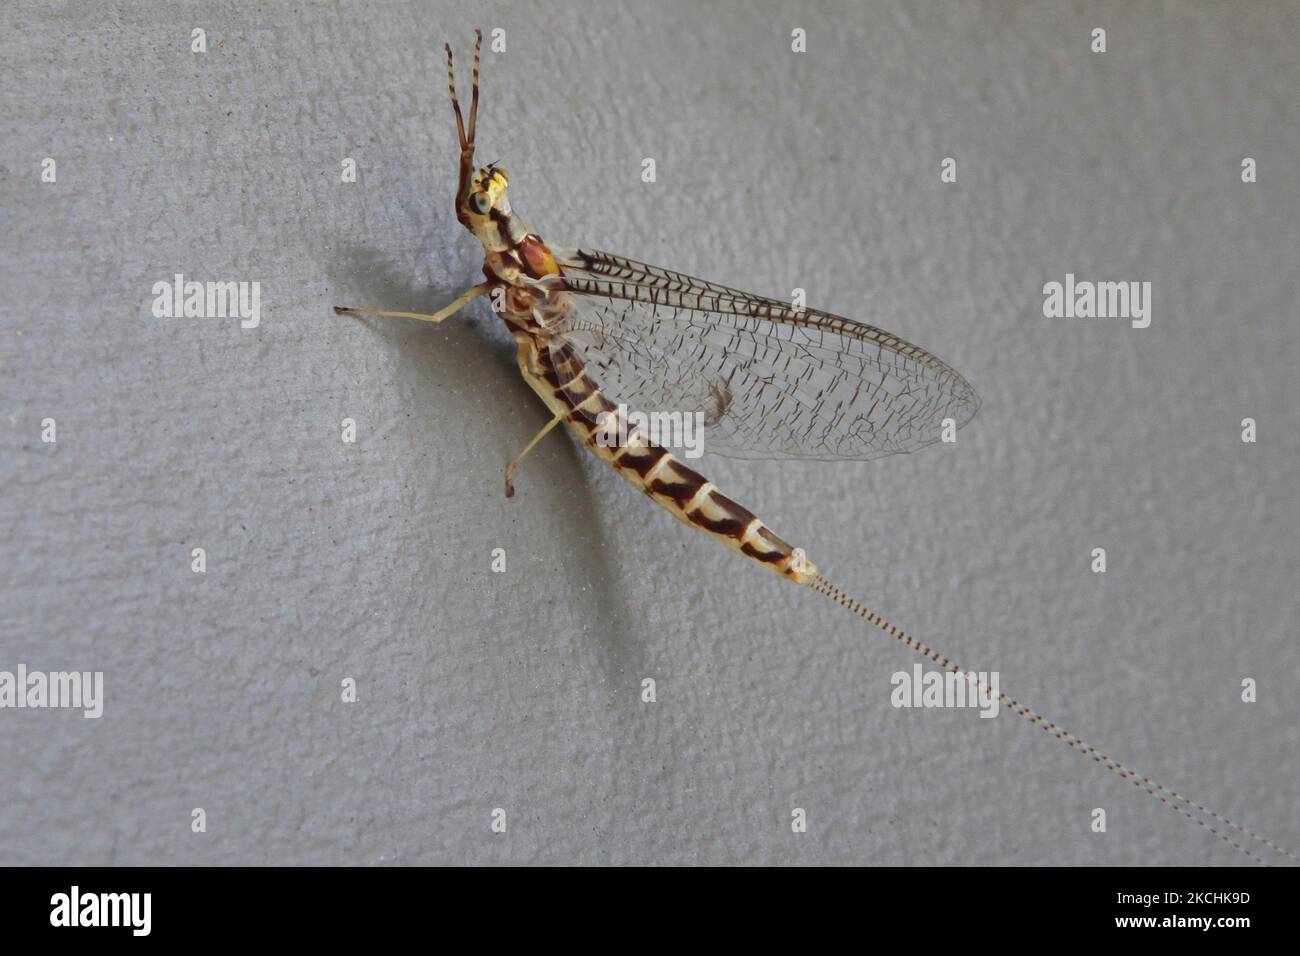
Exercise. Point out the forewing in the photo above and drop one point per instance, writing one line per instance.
(770, 381)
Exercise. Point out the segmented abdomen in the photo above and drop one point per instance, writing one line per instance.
(558, 375)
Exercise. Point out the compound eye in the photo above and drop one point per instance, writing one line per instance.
(479, 203)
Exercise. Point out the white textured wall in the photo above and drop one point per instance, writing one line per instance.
(521, 690)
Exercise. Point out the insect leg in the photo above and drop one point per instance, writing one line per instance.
(510, 468)
(438, 316)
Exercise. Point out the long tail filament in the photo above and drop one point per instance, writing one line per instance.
(1196, 812)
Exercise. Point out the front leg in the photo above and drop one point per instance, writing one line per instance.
(438, 316)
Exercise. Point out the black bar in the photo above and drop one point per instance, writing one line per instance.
(331, 906)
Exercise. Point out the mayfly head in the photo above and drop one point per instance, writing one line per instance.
(487, 192)
(481, 203)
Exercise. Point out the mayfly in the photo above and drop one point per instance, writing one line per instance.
(598, 333)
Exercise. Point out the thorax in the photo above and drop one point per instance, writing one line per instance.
(528, 304)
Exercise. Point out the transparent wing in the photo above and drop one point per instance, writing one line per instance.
(771, 382)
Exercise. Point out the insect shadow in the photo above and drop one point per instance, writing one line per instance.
(472, 354)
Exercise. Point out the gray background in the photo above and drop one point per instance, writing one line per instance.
(775, 170)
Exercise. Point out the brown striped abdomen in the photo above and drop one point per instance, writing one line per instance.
(558, 375)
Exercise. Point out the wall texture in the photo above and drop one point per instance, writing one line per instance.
(522, 691)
